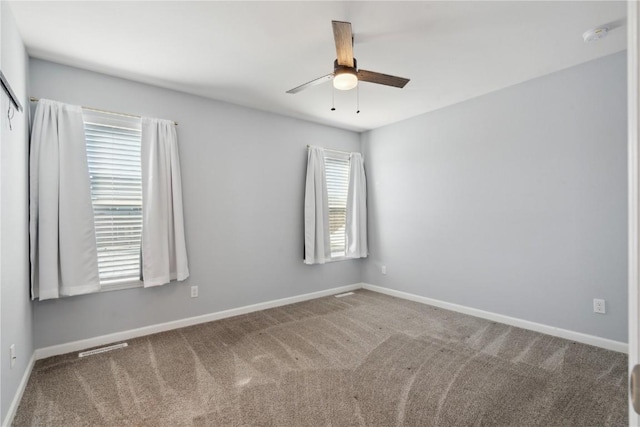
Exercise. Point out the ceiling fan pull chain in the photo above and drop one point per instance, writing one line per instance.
(358, 99)
(10, 113)
(333, 98)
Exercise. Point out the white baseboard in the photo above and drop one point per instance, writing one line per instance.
(70, 347)
(43, 353)
(513, 321)
(13, 408)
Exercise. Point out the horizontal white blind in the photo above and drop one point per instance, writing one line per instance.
(113, 153)
(337, 172)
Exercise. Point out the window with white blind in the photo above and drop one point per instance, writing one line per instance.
(337, 173)
(113, 153)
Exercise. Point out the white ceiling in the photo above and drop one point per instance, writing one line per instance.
(251, 53)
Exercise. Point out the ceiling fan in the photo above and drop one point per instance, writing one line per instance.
(346, 74)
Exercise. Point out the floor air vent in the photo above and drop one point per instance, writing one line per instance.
(343, 295)
(102, 349)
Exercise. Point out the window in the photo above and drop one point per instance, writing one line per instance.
(337, 172)
(113, 154)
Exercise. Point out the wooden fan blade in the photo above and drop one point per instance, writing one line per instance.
(344, 42)
(311, 83)
(382, 79)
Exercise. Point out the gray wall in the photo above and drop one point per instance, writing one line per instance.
(514, 202)
(243, 182)
(15, 306)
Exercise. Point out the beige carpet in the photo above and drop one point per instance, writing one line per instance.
(361, 360)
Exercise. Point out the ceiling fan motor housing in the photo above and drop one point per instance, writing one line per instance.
(337, 67)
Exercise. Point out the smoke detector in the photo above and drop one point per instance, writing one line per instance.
(595, 34)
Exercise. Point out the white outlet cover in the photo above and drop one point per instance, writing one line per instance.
(599, 306)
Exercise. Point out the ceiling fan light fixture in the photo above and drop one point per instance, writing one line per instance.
(345, 79)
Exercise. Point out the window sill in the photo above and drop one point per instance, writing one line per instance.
(340, 258)
(120, 286)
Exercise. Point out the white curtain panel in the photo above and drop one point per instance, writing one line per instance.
(357, 209)
(317, 248)
(63, 253)
(164, 253)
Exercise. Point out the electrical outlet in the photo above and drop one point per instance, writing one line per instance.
(383, 269)
(599, 306)
(12, 354)
(194, 292)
